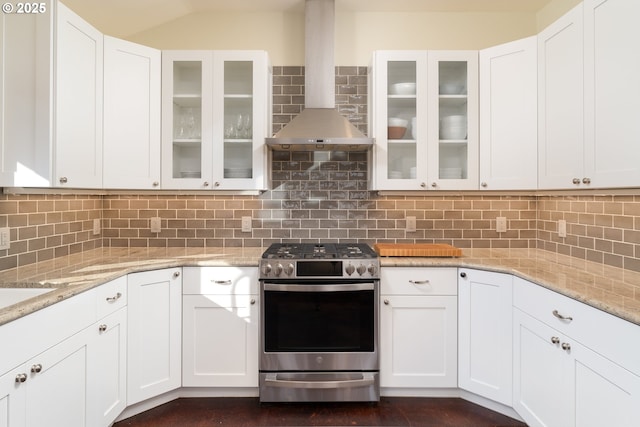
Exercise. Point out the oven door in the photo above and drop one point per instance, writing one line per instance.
(319, 326)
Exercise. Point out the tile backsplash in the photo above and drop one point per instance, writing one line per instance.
(321, 196)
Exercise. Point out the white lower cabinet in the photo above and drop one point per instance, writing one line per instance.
(560, 381)
(107, 369)
(485, 307)
(220, 327)
(418, 328)
(154, 338)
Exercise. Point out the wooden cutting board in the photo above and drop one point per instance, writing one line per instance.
(417, 249)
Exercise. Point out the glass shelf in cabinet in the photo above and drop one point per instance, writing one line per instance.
(187, 142)
(185, 100)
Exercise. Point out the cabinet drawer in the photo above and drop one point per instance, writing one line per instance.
(111, 296)
(611, 336)
(418, 281)
(220, 280)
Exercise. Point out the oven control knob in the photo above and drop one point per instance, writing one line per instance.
(372, 269)
(361, 269)
(289, 269)
(266, 269)
(349, 269)
(279, 269)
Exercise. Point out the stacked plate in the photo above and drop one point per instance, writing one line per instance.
(453, 127)
(450, 173)
(237, 173)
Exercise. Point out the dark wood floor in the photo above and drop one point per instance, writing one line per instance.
(391, 411)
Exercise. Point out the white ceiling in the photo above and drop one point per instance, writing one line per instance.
(122, 18)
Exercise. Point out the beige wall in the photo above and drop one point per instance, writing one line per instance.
(357, 34)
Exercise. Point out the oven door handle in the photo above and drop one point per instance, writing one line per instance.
(273, 381)
(337, 287)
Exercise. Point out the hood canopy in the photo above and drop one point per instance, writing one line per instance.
(319, 126)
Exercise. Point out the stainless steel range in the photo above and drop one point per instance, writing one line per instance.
(319, 323)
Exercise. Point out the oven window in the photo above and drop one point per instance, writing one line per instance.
(319, 321)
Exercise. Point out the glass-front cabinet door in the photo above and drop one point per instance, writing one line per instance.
(215, 118)
(242, 96)
(453, 126)
(424, 118)
(399, 119)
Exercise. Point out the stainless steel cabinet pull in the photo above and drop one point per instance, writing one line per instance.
(463, 274)
(176, 274)
(561, 317)
(222, 282)
(36, 368)
(114, 299)
(576, 181)
(484, 184)
(20, 378)
(253, 301)
(63, 180)
(102, 328)
(423, 184)
(555, 340)
(434, 184)
(386, 302)
(586, 180)
(206, 183)
(419, 282)
(566, 346)
(155, 183)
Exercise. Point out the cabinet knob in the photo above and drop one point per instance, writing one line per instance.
(386, 302)
(586, 180)
(576, 181)
(434, 184)
(205, 184)
(423, 184)
(463, 274)
(20, 378)
(63, 180)
(484, 184)
(216, 184)
(155, 183)
(176, 274)
(36, 368)
(253, 301)
(566, 346)
(555, 340)
(102, 328)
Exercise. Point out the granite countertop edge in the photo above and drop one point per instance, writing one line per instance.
(610, 289)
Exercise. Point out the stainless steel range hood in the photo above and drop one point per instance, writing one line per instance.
(319, 126)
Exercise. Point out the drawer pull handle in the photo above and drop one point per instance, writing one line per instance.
(36, 368)
(222, 282)
(386, 302)
(419, 282)
(102, 328)
(114, 299)
(253, 301)
(555, 340)
(566, 346)
(20, 378)
(561, 317)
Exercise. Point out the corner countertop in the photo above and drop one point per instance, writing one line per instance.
(613, 290)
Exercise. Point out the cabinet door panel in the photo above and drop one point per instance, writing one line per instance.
(220, 340)
(561, 102)
(612, 92)
(12, 399)
(418, 341)
(485, 334)
(154, 334)
(59, 391)
(542, 392)
(131, 115)
(79, 102)
(508, 116)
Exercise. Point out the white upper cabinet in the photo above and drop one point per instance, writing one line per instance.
(424, 117)
(79, 102)
(508, 116)
(560, 111)
(131, 115)
(26, 98)
(612, 92)
(215, 119)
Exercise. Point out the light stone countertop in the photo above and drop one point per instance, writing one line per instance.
(613, 290)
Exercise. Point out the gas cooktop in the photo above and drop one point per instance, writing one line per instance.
(319, 251)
